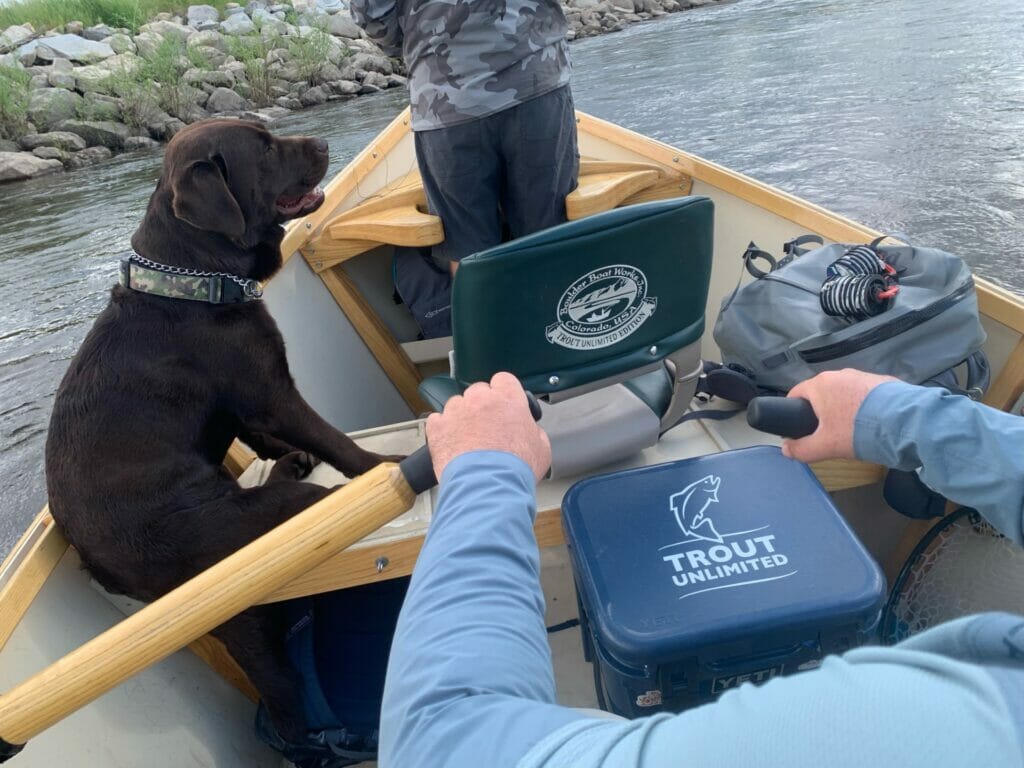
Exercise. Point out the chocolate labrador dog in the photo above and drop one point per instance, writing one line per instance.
(183, 360)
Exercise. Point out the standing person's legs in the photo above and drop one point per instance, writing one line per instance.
(462, 177)
(542, 161)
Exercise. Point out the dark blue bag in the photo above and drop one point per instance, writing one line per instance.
(338, 643)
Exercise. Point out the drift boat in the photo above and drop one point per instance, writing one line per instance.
(355, 356)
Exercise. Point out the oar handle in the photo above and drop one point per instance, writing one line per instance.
(418, 467)
(783, 416)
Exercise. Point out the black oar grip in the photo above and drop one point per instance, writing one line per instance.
(418, 467)
(783, 416)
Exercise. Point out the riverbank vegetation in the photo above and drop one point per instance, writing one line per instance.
(49, 14)
(13, 102)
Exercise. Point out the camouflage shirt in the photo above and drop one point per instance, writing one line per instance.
(468, 59)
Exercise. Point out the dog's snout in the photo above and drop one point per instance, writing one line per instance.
(320, 146)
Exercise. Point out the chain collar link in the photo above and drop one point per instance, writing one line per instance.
(253, 289)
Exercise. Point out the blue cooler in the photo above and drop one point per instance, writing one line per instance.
(697, 576)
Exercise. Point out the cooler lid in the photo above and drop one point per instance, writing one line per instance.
(713, 549)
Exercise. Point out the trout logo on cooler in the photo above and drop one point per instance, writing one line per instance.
(601, 307)
(707, 560)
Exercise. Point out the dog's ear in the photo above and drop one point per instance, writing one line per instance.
(200, 196)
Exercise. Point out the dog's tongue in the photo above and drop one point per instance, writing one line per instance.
(296, 205)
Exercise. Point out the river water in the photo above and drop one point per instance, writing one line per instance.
(906, 115)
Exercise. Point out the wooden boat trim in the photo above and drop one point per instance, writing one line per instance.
(359, 564)
(378, 339)
(602, 191)
(27, 568)
(299, 231)
(1009, 384)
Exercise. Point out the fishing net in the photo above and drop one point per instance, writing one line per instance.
(962, 566)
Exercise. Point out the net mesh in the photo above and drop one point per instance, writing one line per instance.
(968, 567)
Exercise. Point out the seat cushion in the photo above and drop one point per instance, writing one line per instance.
(654, 388)
(437, 389)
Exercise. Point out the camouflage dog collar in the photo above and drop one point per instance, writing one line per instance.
(140, 274)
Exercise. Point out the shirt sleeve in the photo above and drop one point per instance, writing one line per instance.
(968, 452)
(871, 707)
(469, 680)
(380, 20)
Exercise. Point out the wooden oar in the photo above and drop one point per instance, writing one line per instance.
(204, 602)
(214, 596)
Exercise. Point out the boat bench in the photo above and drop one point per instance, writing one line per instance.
(398, 216)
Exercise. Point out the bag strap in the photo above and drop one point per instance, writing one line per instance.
(979, 375)
(794, 248)
(752, 254)
(749, 256)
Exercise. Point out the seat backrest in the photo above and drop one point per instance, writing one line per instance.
(587, 300)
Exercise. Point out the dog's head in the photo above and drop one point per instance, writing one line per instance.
(234, 180)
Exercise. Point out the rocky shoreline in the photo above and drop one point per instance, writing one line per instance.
(89, 93)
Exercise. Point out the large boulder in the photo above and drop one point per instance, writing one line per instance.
(238, 24)
(90, 156)
(215, 78)
(329, 6)
(74, 48)
(344, 87)
(271, 26)
(225, 100)
(213, 57)
(146, 44)
(103, 78)
(200, 14)
(98, 33)
(341, 25)
(210, 38)
(314, 96)
(69, 142)
(135, 143)
(15, 166)
(51, 153)
(58, 79)
(100, 107)
(168, 29)
(164, 130)
(371, 63)
(98, 133)
(14, 36)
(48, 107)
(120, 43)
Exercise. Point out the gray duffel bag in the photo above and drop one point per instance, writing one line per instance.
(776, 331)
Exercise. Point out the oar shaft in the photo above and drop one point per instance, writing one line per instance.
(204, 602)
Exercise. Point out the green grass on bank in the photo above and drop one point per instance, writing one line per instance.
(48, 14)
(13, 102)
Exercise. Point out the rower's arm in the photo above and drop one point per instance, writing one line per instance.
(469, 680)
(380, 20)
(968, 452)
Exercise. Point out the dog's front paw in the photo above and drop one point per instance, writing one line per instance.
(294, 466)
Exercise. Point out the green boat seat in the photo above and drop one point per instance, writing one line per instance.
(601, 318)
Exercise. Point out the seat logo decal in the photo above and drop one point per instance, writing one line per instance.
(709, 561)
(602, 307)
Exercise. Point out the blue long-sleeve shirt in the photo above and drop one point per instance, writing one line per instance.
(470, 681)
